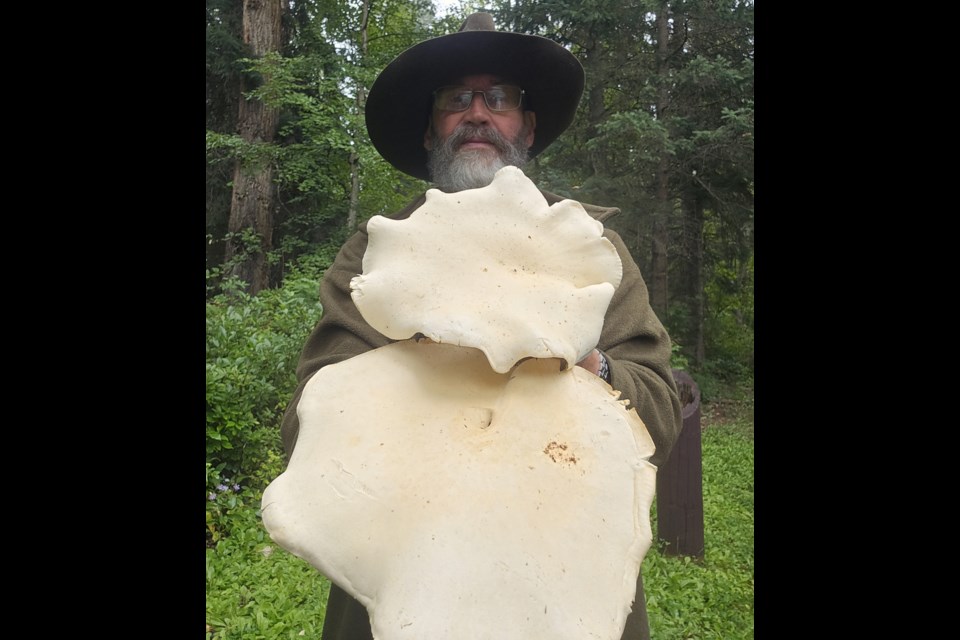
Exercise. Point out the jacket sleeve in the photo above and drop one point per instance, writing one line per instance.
(341, 333)
(637, 349)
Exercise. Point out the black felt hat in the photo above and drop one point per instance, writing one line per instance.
(399, 103)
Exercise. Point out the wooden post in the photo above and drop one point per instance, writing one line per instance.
(680, 480)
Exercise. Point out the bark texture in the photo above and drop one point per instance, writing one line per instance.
(250, 227)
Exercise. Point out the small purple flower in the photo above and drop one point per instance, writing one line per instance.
(236, 487)
(212, 497)
(221, 487)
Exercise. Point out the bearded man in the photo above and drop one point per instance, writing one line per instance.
(453, 110)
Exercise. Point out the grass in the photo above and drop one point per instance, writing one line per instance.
(257, 591)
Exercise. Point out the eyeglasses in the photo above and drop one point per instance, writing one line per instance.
(500, 97)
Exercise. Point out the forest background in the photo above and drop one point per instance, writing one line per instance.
(664, 132)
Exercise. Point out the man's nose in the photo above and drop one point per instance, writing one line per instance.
(478, 111)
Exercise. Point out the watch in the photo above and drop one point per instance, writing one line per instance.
(604, 371)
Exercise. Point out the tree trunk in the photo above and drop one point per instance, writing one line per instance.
(693, 234)
(591, 58)
(250, 228)
(353, 211)
(659, 244)
(700, 353)
(659, 233)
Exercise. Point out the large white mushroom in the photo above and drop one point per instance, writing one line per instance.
(495, 268)
(450, 490)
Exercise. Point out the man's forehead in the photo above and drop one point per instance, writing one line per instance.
(479, 80)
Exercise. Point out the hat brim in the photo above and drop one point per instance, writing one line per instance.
(399, 104)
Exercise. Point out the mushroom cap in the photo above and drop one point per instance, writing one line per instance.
(452, 500)
(494, 268)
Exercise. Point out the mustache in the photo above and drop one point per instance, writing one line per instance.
(473, 132)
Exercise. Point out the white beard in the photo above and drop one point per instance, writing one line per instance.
(452, 169)
(470, 169)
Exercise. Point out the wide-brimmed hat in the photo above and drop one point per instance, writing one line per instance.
(400, 101)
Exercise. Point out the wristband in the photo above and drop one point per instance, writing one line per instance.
(604, 371)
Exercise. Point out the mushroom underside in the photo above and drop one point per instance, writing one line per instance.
(453, 501)
(474, 484)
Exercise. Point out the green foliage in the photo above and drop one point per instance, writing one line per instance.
(629, 139)
(309, 269)
(253, 343)
(677, 359)
(227, 148)
(256, 591)
(729, 321)
(224, 48)
(224, 504)
(228, 504)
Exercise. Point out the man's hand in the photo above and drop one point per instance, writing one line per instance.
(591, 363)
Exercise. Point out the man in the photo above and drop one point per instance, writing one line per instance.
(454, 110)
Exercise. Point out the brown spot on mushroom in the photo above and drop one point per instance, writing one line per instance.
(557, 452)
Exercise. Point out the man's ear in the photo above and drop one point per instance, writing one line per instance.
(428, 137)
(530, 120)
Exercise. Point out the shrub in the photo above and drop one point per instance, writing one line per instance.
(253, 343)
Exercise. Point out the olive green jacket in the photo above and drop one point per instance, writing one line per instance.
(633, 340)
